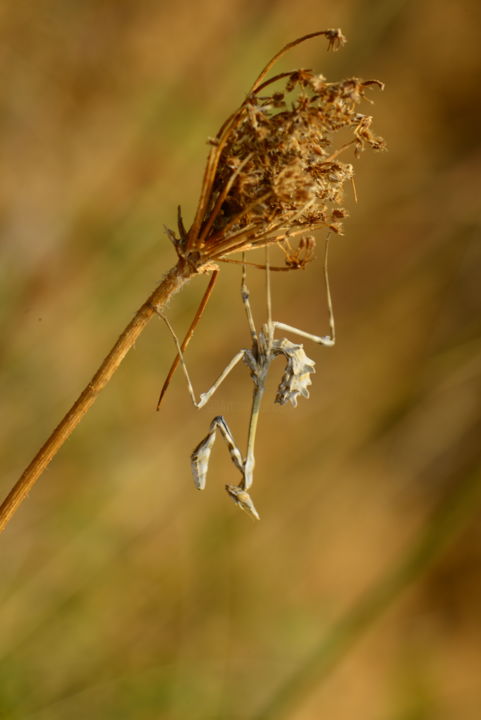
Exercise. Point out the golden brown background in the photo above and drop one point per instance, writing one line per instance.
(124, 592)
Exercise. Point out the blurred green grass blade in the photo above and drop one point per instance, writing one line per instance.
(446, 524)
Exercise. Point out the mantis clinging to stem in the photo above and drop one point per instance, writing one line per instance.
(265, 347)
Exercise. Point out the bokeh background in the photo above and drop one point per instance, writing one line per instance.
(124, 592)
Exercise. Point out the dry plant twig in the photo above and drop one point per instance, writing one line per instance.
(272, 174)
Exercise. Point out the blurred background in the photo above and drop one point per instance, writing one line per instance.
(124, 592)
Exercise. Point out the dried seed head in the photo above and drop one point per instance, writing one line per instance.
(274, 170)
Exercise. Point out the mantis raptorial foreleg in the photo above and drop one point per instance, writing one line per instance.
(201, 454)
(200, 464)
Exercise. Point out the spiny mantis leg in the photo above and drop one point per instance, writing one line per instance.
(201, 454)
(189, 333)
(327, 340)
(200, 464)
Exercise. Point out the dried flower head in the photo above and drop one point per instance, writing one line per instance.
(273, 172)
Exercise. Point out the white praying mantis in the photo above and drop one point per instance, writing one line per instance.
(295, 381)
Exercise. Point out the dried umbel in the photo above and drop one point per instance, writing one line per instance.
(274, 170)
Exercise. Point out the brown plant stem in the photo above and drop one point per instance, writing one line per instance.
(171, 283)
